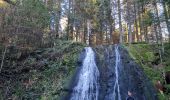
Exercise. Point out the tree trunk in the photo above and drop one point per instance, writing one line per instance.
(146, 34)
(120, 22)
(129, 22)
(129, 33)
(160, 38)
(166, 18)
(88, 31)
(69, 21)
(58, 19)
(111, 35)
(140, 23)
(85, 30)
(136, 21)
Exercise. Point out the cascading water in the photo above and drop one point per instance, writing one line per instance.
(116, 84)
(87, 87)
(120, 76)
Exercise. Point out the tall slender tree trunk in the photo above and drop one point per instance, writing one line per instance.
(168, 10)
(136, 21)
(146, 34)
(160, 38)
(158, 33)
(140, 23)
(88, 31)
(111, 35)
(112, 17)
(166, 18)
(129, 33)
(85, 29)
(72, 26)
(145, 28)
(101, 34)
(120, 22)
(46, 2)
(77, 34)
(107, 39)
(129, 23)
(69, 21)
(114, 25)
(58, 19)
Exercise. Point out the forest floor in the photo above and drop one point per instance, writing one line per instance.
(43, 74)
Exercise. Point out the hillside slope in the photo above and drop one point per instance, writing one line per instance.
(148, 57)
(42, 74)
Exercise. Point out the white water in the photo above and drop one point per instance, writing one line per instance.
(88, 86)
(116, 84)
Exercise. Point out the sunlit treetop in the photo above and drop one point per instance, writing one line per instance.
(3, 3)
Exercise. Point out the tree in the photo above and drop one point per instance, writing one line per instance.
(164, 3)
(27, 26)
(158, 24)
(136, 20)
(120, 22)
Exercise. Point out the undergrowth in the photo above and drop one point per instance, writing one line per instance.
(147, 56)
(49, 71)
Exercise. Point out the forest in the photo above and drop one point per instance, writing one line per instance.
(47, 47)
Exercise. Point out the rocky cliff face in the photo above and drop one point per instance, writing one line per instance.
(131, 76)
(119, 73)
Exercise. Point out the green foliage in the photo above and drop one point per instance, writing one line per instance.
(166, 54)
(149, 56)
(162, 97)
(148, 18)
(47, 81)
(167, 1)
(144, 54)
(31, 13)
(26, 23)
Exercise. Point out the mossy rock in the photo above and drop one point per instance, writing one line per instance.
(144, 54)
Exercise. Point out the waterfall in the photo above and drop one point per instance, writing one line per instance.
(120, 78)
(87, 87)
(116, 84)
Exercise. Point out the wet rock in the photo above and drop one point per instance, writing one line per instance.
(131, 77)
(81, 58)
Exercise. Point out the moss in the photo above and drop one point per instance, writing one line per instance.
(145, 55)
(149, 56)
(47, 82)
(162, 97)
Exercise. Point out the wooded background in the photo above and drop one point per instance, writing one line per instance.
(27, 23)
